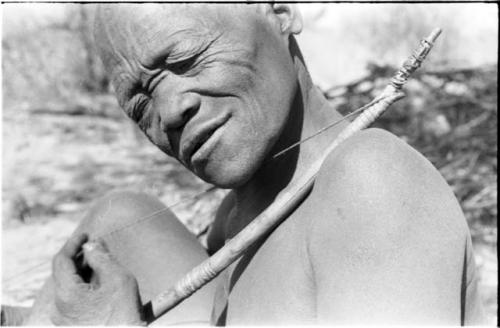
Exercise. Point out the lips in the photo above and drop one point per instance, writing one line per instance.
(199, 136)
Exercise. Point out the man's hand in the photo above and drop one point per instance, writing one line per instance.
(94, 290)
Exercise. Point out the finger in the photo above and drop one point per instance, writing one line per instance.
(74, 245)
(101, 261)
(64, 270)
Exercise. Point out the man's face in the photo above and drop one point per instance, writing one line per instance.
(211, 85)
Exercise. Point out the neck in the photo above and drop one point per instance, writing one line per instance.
(310, 113)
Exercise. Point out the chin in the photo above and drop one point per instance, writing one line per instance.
(228, 176)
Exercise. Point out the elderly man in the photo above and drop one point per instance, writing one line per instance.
(380, 239)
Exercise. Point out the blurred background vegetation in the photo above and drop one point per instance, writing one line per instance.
(65, 141)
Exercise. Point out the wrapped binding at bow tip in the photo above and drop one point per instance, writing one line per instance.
(415, 60)
(288, 198)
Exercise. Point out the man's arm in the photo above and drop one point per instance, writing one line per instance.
(388, 242)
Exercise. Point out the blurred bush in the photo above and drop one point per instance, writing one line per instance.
(54, 63)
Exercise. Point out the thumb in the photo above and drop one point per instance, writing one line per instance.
(100, 260)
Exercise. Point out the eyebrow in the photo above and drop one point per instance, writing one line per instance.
(175, 50)
(176, 44)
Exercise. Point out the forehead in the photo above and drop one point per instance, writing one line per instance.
(138, 30)
(165, 25)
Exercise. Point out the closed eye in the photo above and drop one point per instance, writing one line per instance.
(182, 66)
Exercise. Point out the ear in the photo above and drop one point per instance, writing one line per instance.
(289, 17)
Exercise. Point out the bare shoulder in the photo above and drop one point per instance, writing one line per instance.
(374, 152)
(377, 163)
(374, 185)
(385, 232)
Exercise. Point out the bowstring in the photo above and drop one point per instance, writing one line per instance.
(152, 215)
(327, 127)
(24, 272)
(208, 190)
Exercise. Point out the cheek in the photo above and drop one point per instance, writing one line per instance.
(226, 77)
(265, 87)
(264, 96)
(274, 100)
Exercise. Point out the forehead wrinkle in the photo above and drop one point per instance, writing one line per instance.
(124, 89)
(193, 31)
(128, 68)
(125, 73)
(125, 76)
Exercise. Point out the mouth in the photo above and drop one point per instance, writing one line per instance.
(195, 142)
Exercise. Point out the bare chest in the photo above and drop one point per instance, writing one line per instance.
(272, 283)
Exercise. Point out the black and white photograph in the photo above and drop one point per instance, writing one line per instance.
(249, 163)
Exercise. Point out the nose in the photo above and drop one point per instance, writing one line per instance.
(179, 110)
